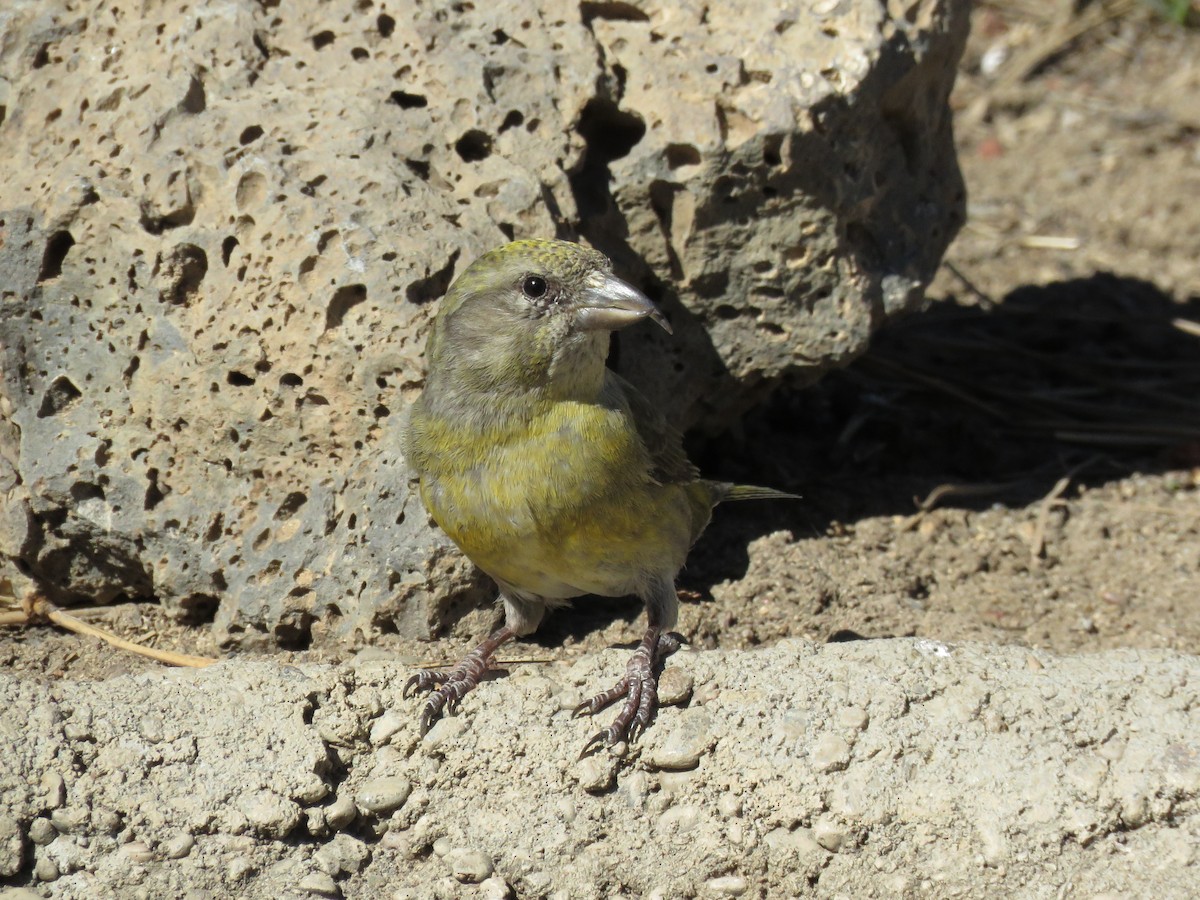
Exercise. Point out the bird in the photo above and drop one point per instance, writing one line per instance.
(552, 473)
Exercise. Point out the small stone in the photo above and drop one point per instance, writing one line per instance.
(41, 831)
(320, 884)
(69, 819)
(384, 727)
(728, 805)
(853, 717)
(830, 834)
(495, 888)
(470, 866)
(444, 731)
(138, 852)
(690, 736)
(830, 753)
(727, 885)
(54, 790)
(239, 867)
(179, 846)
(383, 795)
(46, 870)
(675, 686)
(341, 812)
(343, 855)
(596, 773)
(270, 814)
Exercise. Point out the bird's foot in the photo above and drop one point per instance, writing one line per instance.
(449, 686)
(639, 687)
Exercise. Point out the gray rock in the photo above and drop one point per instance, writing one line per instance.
(213, 312)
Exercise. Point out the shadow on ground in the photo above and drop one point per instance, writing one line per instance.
(964, 406)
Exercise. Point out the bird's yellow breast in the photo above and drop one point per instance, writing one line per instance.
(561, 507)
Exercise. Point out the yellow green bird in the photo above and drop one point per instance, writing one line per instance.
(553, 474)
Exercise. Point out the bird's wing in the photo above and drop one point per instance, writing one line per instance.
(663, 441)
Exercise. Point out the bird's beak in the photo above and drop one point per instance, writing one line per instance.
(608, 303)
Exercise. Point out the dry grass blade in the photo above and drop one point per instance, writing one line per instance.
(39, 609)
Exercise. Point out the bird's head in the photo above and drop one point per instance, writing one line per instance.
(532, 315)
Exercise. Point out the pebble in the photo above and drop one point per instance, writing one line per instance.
(270, 814)
(495, 888)
(444, 731)
(690, 736)
(384, 727)
(239, 867)
(320, 884)
(179, 846)
(341, 812)
(45, 870)
(138, 852)
(728, 805)
(342, 855)
(69, 818)
(385, 794)
(675, 687)
(596, 773)
(830, 834)
(470, 866)
(41, 832)
(727, 885)
(54, 790)
(854, 717)
(830, 753)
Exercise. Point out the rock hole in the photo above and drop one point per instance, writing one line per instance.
(418, 167)
(264, 537)
(294, 631)
(610, 132)
(679, 155)
(61, 395)
(405, 100)
(432, 286)
(358, 54)
(227, 246)
(322, 39)
(473, 146)
(184, 270)
(290, 379)
(612, 11)
(57, 247)
(512, 120)
(290, 505)
(198, 609)
(155, 493)
(238, 379)
(385, 25)
(194, 101)
(726, 311)
(344, 299)
(250, 135)
(215, 528)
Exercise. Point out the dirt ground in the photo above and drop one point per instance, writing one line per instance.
(1020, 464)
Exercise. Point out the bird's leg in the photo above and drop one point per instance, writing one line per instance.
(639, 687)
(449, 686)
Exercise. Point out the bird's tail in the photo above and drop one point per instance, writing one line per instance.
(753, 492)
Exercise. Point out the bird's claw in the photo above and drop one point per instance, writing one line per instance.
(423, 682)
(639, 687)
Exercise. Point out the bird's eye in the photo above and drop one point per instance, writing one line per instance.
(534, 287)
